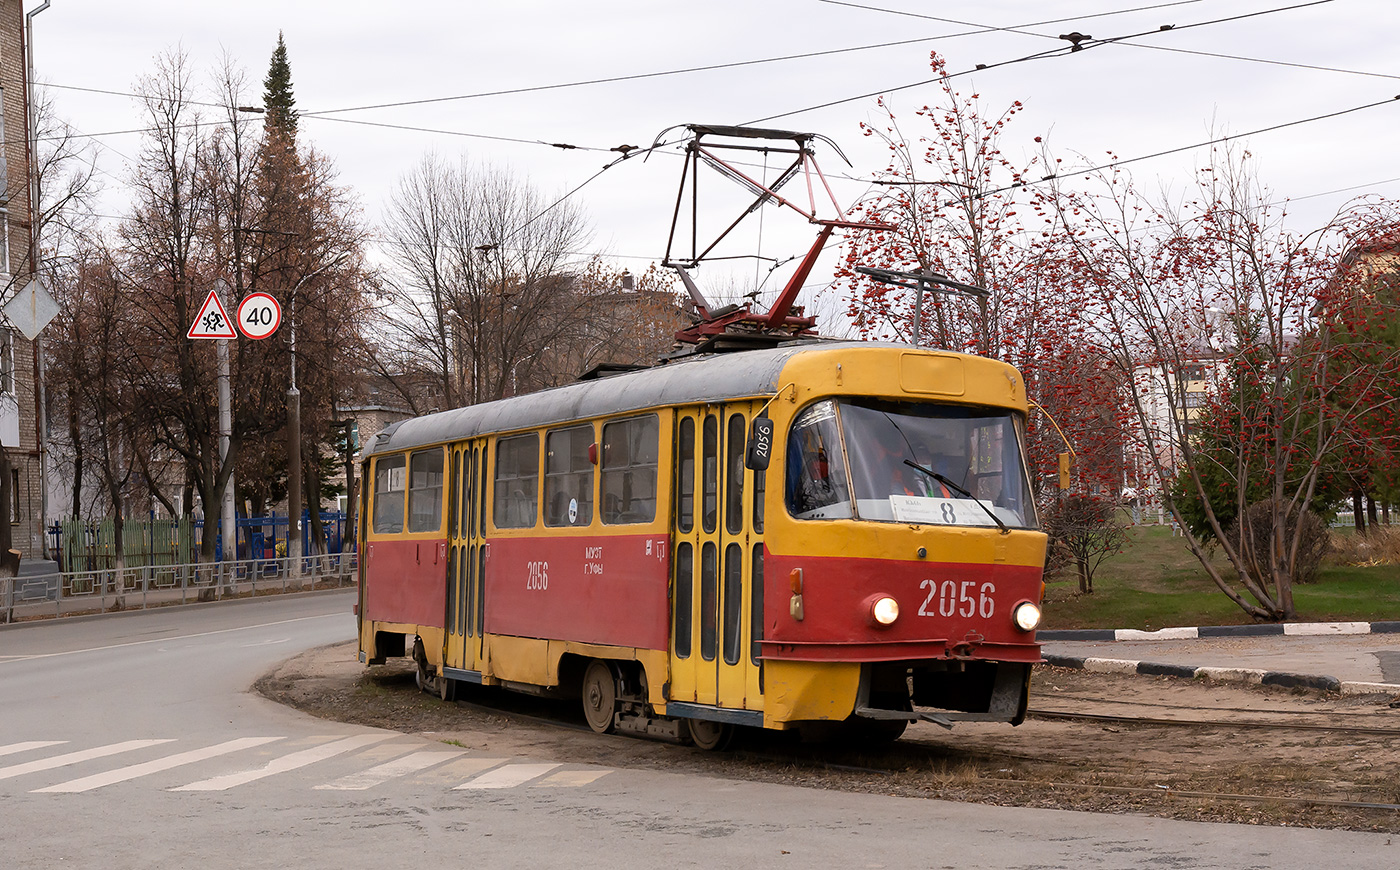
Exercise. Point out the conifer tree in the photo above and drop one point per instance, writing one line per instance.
(278, 100)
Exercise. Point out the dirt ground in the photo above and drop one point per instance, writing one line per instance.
(1238, 766)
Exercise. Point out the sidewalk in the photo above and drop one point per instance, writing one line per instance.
(1348, 657)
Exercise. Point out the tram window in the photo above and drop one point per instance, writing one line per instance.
(464, 590)
(479, 591)
(454, 502)
(481, 489)
(452, 627)
(816, 485)
(709, 603)
(470, 565)
(936, 464)
(733, 601)
(468, 502)
(425, 491)
(388, 495)
(709, 463)
(685, 475)
(568, 477)
(685, 582)
(629, 470)
(517, 481)
(734, 475)
(756, 611)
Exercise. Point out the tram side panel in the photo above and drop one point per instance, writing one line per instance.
(607, 590)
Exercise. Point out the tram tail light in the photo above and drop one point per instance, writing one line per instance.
(795, 579)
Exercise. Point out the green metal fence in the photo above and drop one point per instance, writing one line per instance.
(89, 546)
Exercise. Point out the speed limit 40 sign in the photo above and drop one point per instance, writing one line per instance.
(259, 315)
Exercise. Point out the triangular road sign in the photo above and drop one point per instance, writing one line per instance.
(212, 320)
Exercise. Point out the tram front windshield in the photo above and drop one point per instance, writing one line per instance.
(908, 462)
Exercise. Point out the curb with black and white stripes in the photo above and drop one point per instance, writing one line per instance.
(1239, 675)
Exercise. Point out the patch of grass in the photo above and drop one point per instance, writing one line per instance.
(1156, 582)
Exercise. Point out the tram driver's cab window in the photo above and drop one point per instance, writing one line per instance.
(629, 458)
(908, 462)
(517, 481)
(816, 468)
(388, 494)
(568, 477)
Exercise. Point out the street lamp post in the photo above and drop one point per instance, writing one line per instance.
(294, 537)
(513, 388)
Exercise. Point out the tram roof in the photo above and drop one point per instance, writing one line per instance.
(707, 378)
(686, 381)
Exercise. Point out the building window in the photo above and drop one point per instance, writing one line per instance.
(7, 361)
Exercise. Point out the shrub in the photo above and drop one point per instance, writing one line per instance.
(1256, 546)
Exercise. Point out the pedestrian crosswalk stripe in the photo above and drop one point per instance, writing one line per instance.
(285, 763)
(122, 774)
(411, 763)
(572, 778)
(28, 745)
(507, 777)
(76, 757)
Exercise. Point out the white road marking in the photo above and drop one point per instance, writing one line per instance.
(9, 659)
(28, 745)
(411, 763)
(122, 774)
(76, 757)
(571, 778)
(507, 777)
(286, 763)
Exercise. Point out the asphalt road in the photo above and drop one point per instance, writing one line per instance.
(131, 741)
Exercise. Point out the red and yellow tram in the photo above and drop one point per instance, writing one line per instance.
(868, 552)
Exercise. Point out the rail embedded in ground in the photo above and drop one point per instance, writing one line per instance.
(140, 587)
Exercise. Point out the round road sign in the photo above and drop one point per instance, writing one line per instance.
(259, 315)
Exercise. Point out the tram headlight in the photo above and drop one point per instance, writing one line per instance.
(884, 610)
(1026, 615)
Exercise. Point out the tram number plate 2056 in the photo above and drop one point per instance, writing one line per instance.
(965, 598)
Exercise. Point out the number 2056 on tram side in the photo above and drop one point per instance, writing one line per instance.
(835, 532)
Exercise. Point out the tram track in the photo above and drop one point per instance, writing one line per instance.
(1129, 744)
(1071, 716)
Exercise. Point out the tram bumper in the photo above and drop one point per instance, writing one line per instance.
(944, 692)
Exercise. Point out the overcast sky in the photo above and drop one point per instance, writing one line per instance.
(1132, 98)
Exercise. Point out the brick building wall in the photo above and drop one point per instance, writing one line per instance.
(27, 533)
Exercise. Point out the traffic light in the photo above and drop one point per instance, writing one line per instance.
(1065, 464)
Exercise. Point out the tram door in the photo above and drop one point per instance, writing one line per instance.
(462, 638)
(717, 586)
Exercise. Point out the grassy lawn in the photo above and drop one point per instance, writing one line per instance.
(1157, 583)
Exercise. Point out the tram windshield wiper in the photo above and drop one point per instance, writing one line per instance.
(946, 481)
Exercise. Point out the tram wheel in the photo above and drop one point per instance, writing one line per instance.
(422, 677)
(710, 736)
(447, 688)
(599, 696)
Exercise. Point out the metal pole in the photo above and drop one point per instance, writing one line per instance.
(294, 456)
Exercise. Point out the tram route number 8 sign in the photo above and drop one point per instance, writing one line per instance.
(259, 315)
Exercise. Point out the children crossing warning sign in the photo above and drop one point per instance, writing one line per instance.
(212, 320)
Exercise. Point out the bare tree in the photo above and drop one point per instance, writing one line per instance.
(1215, 289)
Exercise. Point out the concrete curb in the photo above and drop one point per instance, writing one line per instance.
(1237, 675)
(1290, 629)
